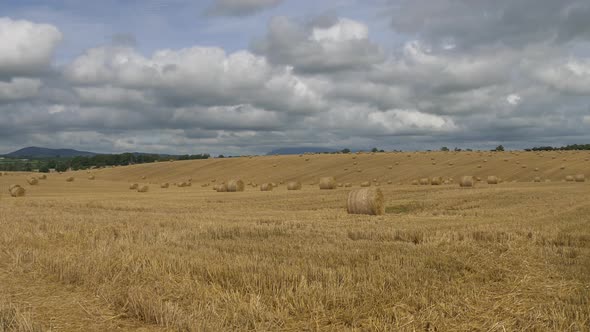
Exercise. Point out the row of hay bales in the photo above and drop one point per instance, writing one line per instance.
(469, 181)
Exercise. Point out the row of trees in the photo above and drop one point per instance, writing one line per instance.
(79, 163)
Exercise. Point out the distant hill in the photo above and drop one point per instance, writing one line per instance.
(300, 150)
(37, 152)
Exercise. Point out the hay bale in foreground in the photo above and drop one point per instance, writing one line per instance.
(580, 178)
(70, 179)
(266, 187)
(569, 178)
(436, 181)
(133, 186)
(33, 181)
(492, 180)
(294, 185)
(467, 182)
(164, 185)
(365, 184)
(17, 191)
(327, 182)
(366, 201)
(235, 185)
(143, 189)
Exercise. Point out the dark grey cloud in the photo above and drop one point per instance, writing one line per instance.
(240, 7)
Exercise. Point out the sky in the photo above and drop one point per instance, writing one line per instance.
(239, 77)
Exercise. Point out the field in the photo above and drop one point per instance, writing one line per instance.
(93, 255)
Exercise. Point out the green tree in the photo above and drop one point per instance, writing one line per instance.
(444, 148)
(500, 148)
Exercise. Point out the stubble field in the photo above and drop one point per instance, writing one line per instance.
(94, 255)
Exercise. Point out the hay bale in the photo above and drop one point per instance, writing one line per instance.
(580, 178)
(43, 177)
(366, 201)
(389, 182)
(365, 184)
(70, 179)
(32, 181)
(339, 185)
(144, 177)
(164, 185)
(377, 184)
(415, 182)
(17, 191)
(569, 178)
(390, 167)
(274, 185)
(478, 166)
(266, 187)
(222, 188)
(91, 177)
(348, 185)
(536, 169)
(424, 181)
(235, 185)
(436, 181)
(143, 189)
(327, 182)
(537, 179)
(133, 186)
(467, 182)
(294, 185)
(12, 186)
(205, 185)
(492, 179)
(562, 167)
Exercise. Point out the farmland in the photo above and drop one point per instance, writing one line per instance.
(94, 255)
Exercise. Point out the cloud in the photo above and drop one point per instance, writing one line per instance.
(335, 45)
(240, 7)
(26, 48)
(475, 23)
(571, 76)
(19, 88)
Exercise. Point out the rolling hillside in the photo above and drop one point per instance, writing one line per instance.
(405, 167)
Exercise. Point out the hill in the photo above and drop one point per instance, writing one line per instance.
(396, 167)
(37, 152)
(300, 150)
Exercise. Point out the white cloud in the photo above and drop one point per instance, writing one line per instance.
(513, 99)
(26, 47)
(344, 30)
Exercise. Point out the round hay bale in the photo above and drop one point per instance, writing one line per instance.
(365, 184)
(164, 185)
(523, 166)
(348, 185)
(294, 185)
(143, 189)
(580, 178)
(390, 167)
(537, 179)
(536, 169)
(366, 201)
(562, 167)
(478, 179)
(478, 166)
(205, 185)
(12, 186)
(213, 180)
(467, 182)
(306, 159)
(43, 177)
(70, 179)
(436, 181)
(235, 185)
(415, 182)
(389, 182)
(424, 181)
(569, 178)
(397, 164)
(133, 186)
(91, 177)
(17, 191)
(144, 177)
(222, 188)
(32, 181)
(377, 184)
(327, 182)
(359, 170)
(339, 185)
(355, 163)
(266, 187)
(492, 179)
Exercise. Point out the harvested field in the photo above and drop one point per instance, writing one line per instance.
(95, 255)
